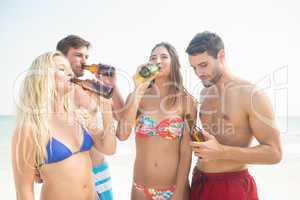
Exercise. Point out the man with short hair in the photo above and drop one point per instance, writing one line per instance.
(76, 49)
(233, 112)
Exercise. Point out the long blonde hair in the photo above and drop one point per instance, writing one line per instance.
(37, 92)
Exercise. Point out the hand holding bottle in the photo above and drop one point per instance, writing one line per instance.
(145, 75)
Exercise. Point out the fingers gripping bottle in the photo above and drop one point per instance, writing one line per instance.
(147, 71)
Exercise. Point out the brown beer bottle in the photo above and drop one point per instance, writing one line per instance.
(94, 86)
(196, 129)
(103, 69)
(196, 134)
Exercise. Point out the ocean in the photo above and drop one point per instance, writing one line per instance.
(274, 182)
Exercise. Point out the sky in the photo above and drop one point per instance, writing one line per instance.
(261, 39)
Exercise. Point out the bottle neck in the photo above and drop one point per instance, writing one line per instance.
(93, 68)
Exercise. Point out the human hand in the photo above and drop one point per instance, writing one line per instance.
(141, 84)
(110, 80)
(209, 150)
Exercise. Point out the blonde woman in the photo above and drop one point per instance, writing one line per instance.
(52, 137)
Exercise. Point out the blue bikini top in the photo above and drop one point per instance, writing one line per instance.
(57, 151)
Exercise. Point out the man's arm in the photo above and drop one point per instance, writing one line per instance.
(117, 103)
(263, 126)
(262, 123)
(104, 139)
(117, 99)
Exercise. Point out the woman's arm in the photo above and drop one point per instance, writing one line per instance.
(127, 121)
(23, 163)
(185, 152)
(130, 110)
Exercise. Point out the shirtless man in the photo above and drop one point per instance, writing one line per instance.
(233, 112)
(76, 49)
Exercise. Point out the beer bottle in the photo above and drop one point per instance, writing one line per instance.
(94, 86)
(148, 70)
(196, 134)
(197, 128)
(103, 69)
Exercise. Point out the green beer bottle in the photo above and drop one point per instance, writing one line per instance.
(148, 70)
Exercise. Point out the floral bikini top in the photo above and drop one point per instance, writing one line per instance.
(168, 128)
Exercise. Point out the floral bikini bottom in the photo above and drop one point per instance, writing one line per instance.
(155, 194)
